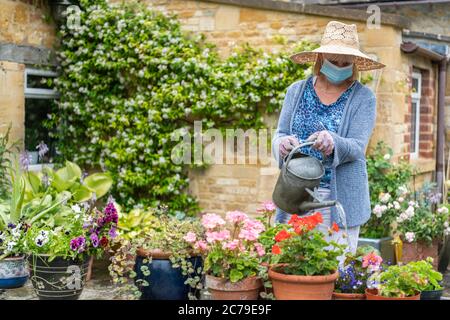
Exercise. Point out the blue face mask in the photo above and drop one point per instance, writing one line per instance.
(334, 73)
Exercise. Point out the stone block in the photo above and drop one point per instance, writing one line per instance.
(252, 15)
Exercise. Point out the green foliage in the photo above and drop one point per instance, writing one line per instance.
(130, 78)
(6, 151)
(407, 280)
(425, 269)
(306, 255)
(162, 233)
(384, 176)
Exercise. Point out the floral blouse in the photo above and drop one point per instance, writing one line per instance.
(312, 116)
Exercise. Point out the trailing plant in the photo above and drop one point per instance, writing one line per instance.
(130, 78)
(302, 250)
(385, 177)
(167, 235)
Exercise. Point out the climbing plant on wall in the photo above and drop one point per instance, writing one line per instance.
(130, 77)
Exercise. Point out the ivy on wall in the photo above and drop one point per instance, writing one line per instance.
(130, 77)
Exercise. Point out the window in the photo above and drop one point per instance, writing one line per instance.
(39, 103)
(415, 114)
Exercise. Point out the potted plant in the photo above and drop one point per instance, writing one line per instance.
(165, 266)
(13, 267)
(307, 265)
(231, 254)
(397, 282)
(420, 225)
(46, 189)
(387, 184)
(355, 272)
(267, 239)
(431, 288)
(59, 255)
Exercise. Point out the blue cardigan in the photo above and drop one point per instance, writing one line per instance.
(349, 184)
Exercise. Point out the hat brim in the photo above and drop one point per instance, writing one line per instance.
(362, 61)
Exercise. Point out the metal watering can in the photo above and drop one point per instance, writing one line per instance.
(300, 176)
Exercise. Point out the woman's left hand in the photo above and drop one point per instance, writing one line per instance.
(324, 142)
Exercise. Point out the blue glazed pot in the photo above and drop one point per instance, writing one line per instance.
(431, 295)
(13, 272)
(165, 282)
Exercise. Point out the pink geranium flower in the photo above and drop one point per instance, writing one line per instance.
(201, 245)
(236, 216)
(213, 236)
(260, 249)
(231, 245)
(211, 220)
(372, 262)
(267, 206)
(190, 237)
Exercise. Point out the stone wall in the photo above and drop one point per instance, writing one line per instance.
(230, 187)
(22, 23)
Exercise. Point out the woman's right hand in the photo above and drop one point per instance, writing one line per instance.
(287, 144)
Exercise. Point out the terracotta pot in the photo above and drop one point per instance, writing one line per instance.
(223, 289)
(295, 287)
(349, 296)
(417, 251)
(372, 294)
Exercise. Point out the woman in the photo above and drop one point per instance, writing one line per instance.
(336, 111)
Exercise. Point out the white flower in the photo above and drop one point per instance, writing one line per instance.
(410, 211)
(11, 246)
(387, 156)
(446, 224)
(447, 231)
(410, 236)
(442, 210)
(403, 216)
(401, 199)
(385, 197)
(378, 210)
(397, 205)
(402, 190)
(76, 208)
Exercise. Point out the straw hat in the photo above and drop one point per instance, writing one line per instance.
(339, 38)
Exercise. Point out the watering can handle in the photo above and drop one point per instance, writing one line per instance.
(301, 145)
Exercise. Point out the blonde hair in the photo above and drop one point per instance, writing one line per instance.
(335, 57)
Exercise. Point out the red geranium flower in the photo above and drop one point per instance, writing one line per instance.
(335, 227)
(276, 249)
(282, 235)
(294, 219)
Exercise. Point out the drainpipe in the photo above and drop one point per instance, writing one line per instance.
(441, 126)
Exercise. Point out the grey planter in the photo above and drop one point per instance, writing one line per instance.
(383, 245)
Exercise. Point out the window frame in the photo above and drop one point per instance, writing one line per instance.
(39, 93)
(415, 98)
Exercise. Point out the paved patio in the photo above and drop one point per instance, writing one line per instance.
(100, 287)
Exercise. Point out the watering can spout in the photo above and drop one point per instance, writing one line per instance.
(307, 206)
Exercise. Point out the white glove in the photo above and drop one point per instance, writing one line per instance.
(287, 144)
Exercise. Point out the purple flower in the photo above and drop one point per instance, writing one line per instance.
(111, 213)
(94, 240)
(78, 244)
(25, 160)
(42, 149)
(11, 225)
(112, 233)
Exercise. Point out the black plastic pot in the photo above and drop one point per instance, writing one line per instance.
(59, 279)
(431, 295)
(165, 282)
